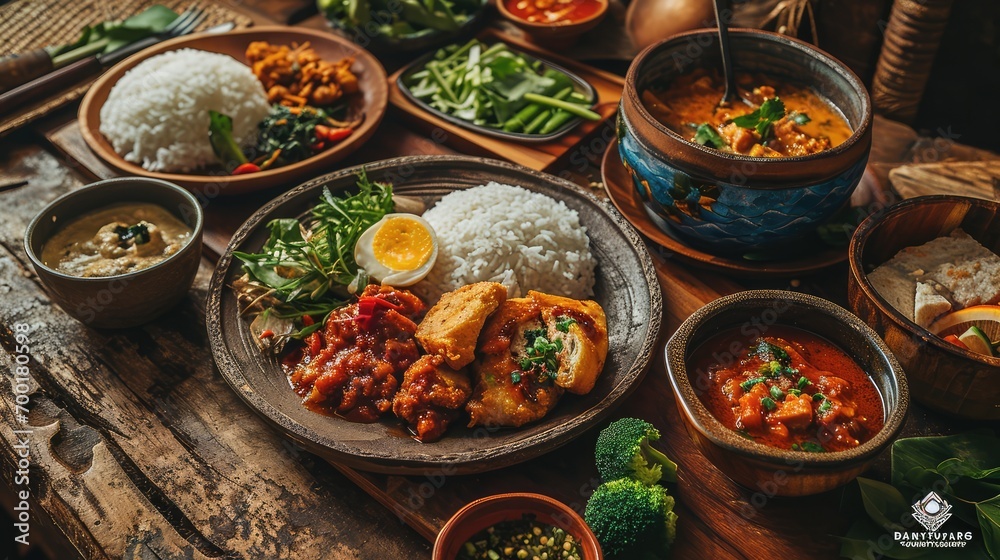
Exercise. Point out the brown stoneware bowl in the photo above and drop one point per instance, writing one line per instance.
(371, 101)
(944, 377)
(491, 510)
(755, 465)
(727, 203)
(554, 35)
(129, 299)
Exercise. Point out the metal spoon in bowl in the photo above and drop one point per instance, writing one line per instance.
(730, 95)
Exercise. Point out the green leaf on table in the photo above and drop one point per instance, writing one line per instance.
(966, 468)
(884, 504)
(115, 34)
(978, 451)
(988, 513)
(763, 117)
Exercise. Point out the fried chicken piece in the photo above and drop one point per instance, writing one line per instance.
(507, 394)
(431, 396)
(582, 329)
(451, 328)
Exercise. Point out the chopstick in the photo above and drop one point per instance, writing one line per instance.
(12, 186)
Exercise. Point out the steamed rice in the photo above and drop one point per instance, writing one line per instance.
(508, 234)
(157, 113)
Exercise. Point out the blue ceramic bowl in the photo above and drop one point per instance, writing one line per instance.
(726, 203)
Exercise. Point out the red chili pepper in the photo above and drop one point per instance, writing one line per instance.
(956, 341)
(367, 306)
(315, 343)
(266, 334)
(245, 168)
(332, 134)
(317, 147)
(307, 320)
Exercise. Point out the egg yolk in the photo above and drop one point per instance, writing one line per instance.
(402, 244)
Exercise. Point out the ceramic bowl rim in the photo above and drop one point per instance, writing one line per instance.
(783, 41)
(89, 190)
(462, 516)
(536, 26)
(854, 257)
(698, 415)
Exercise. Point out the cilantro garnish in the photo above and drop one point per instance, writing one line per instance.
(763, 117)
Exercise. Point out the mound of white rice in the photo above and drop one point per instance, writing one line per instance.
(157, 113)
(508, 234)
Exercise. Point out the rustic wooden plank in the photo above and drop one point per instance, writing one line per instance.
(980, 179)
(177, 465)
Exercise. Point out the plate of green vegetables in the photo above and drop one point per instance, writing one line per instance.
(381, 25)
(499, 91)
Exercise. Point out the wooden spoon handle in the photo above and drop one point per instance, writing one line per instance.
(21, 68)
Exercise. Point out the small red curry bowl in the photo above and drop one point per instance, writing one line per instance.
(491, 510)
(561, 33)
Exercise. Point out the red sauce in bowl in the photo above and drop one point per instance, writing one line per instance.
(556, 12)
(789, 389)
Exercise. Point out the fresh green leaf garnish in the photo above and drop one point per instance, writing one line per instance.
(825, 406)
(799, 118)
(761, 119)
(706, 135)
(776, 393)
(811, 447)
(540, 353)
(307, 266)
(220, 136)
(768, 403)
(819, 396)
(563, 323)
(138, 234)
(794, 392)
(802, 383)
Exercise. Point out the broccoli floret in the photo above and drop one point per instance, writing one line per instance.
(632, 520)
(623, 451)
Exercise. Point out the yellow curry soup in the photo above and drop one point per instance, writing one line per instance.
(115, 240)
(778, 120)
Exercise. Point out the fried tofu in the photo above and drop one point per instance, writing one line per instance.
(451, 328)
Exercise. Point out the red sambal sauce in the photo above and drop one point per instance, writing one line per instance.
(553, 11)
(352, 366)
(790, 389)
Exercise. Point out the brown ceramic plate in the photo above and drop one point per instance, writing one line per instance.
(618, 185)
(626, 287)
(371, 101)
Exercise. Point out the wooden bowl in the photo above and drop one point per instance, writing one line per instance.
(372, 102)
(554, 35)
(942, 376)
(757, 466)
(491, 510)
(129, 299)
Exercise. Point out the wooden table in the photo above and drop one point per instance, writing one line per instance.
(139, 449)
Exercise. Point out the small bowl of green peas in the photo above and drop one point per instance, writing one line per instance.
(519, 526)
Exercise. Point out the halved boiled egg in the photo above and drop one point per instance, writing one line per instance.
(399, 250)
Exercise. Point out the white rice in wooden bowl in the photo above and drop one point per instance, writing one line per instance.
(157, 113)
(508, 234)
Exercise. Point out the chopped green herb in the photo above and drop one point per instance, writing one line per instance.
(563, 323)
(777, 394)
(515, 377)
(744, 433)
(826, 406)
(139, 234)
(794, 392)
(763, 117)
(812, 447)
(540, 353)
(770, 352)
(706, 135)
(799, 118)
(746, 385)
(819, 397)
(768, 403)
(802, 383)
(795, 447)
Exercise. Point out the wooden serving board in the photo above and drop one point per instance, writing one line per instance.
(542, 156)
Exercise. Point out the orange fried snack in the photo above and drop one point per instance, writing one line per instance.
(296, 76)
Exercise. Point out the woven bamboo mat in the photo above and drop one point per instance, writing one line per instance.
(30, 24)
